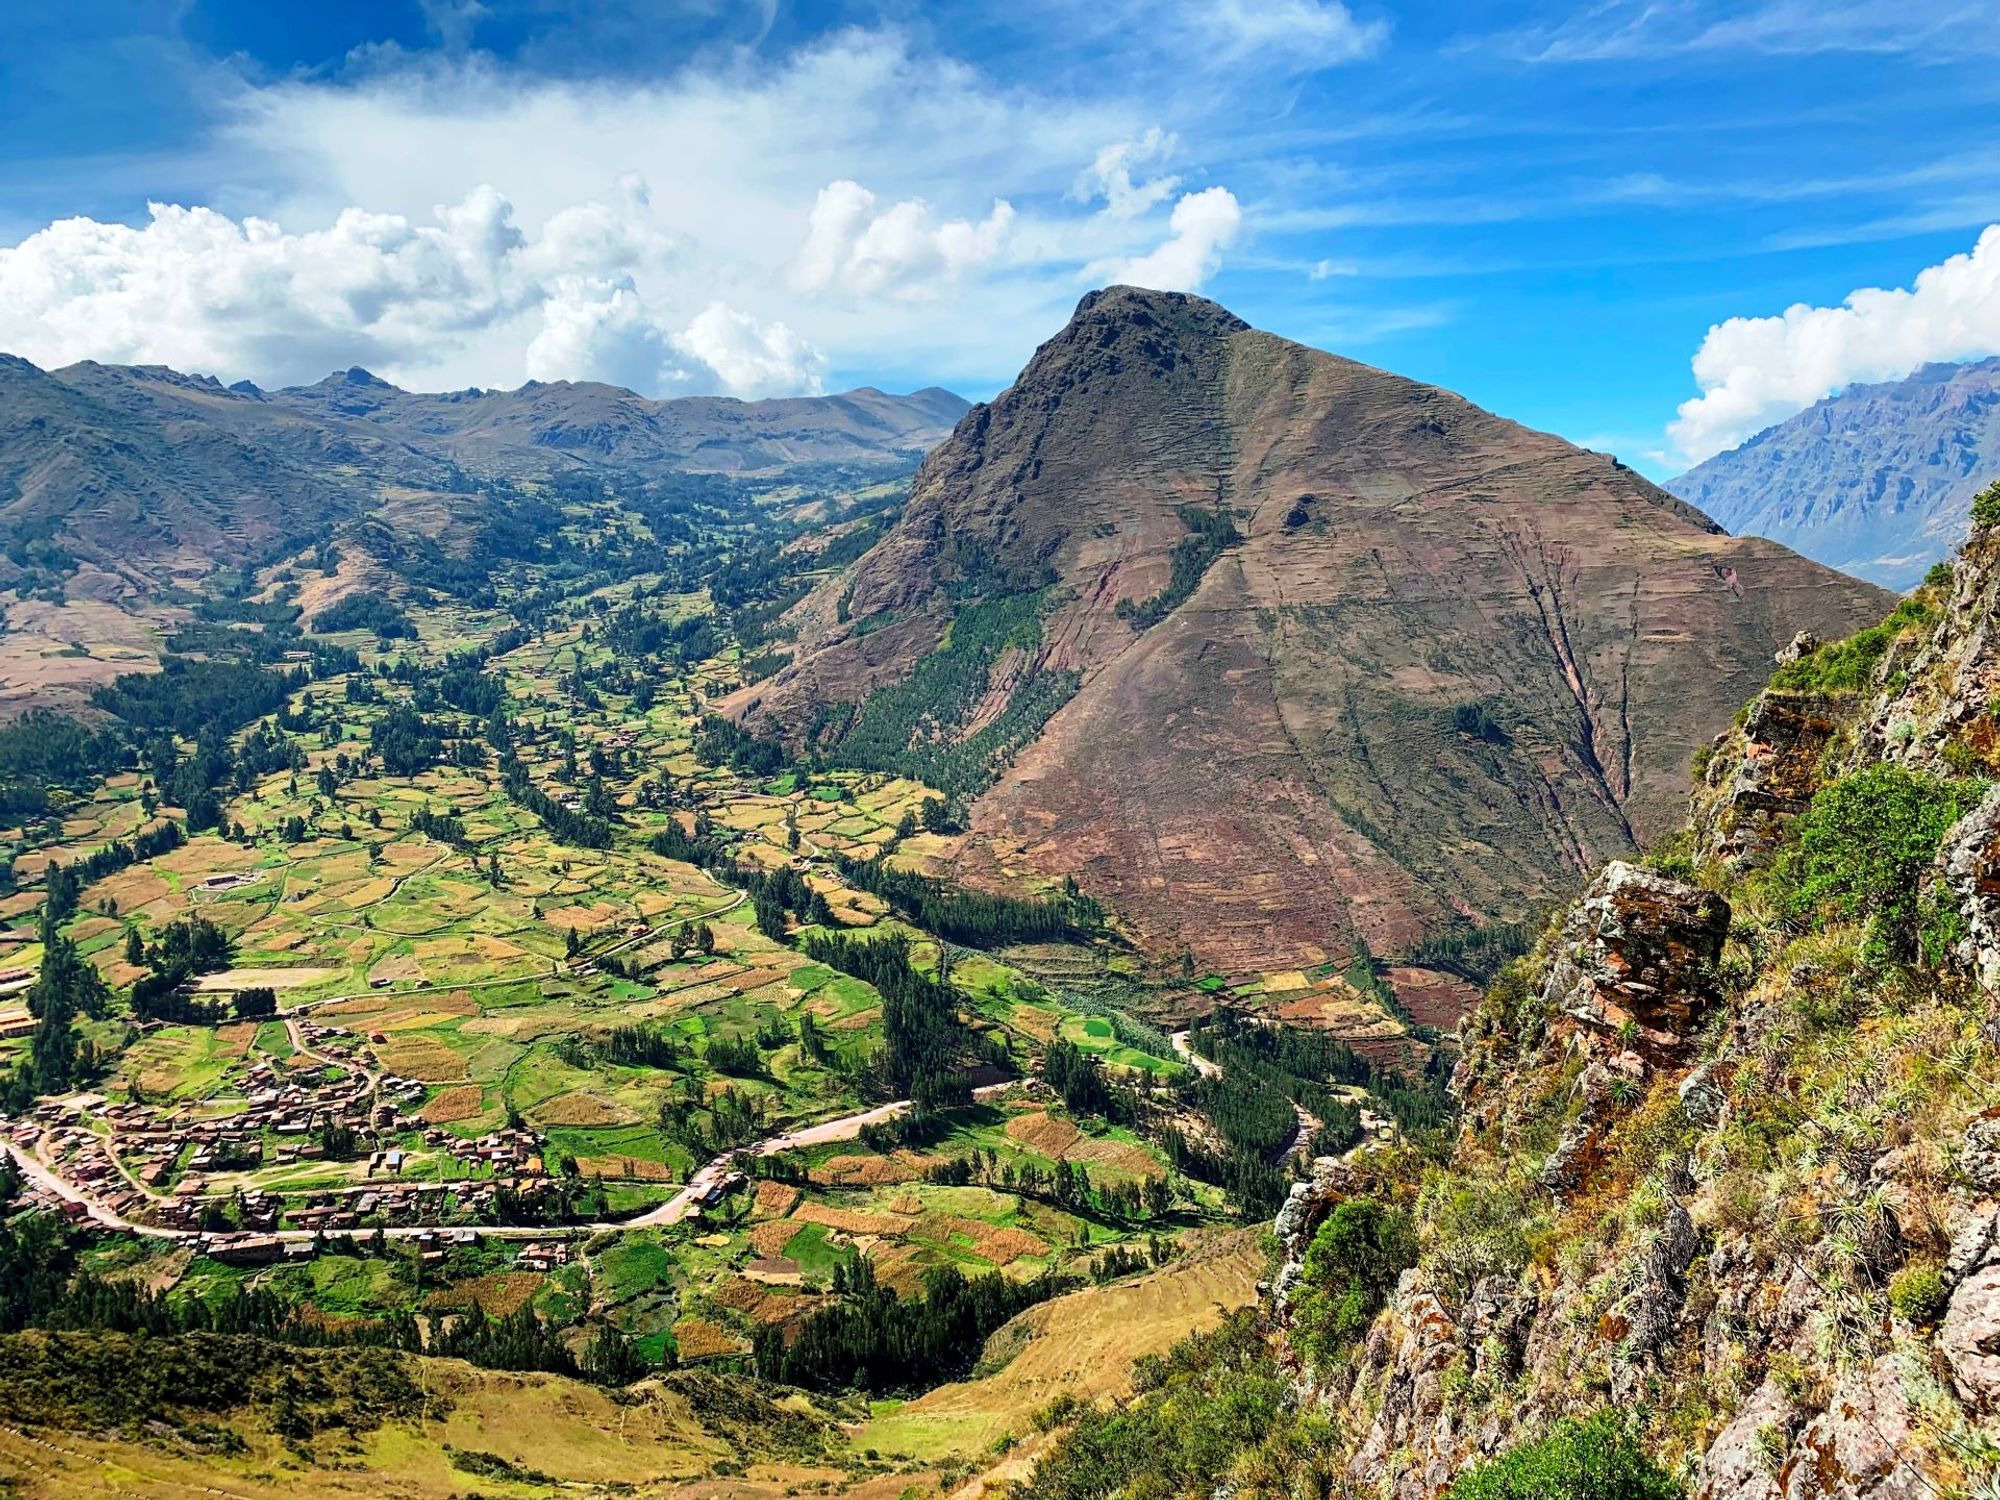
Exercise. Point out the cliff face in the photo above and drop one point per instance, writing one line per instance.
(1352, 657)
(1875, 481)
(1730, 1158)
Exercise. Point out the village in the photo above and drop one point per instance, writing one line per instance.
(187, 1169)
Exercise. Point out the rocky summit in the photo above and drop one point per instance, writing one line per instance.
(1280, 654)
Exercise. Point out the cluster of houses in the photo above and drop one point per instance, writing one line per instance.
(160, 1165)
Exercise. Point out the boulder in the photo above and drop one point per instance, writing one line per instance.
(1638, 956)
(1969, 1339)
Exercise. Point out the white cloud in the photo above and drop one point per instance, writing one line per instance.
(1203, 225)
(752, 358)
(1313, 33)
(897, 250)
(861, 194)
(195, 288)
(1756, 371)
(1109, 176)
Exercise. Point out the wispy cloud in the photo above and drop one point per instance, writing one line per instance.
(1626, 30)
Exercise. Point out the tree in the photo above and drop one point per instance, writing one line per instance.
(1350, 1268)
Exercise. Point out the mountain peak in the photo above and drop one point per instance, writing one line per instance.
(1876, 480)
(1180, 313)
(1246, 573)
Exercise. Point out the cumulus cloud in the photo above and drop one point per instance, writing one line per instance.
(195, 288)
(1756, 371)
(901, 249)
(1203, 225)
(931, 226)
(1109, 176)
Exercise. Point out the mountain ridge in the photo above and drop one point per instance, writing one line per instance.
(1875, 480)
(1404, 560)
(155, 477)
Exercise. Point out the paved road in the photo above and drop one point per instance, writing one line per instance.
(673, 1211)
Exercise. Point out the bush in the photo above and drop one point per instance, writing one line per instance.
(1350, 1269)
(1862, 850)
(1849, 666)
(1986, 506)
(1918, 1293)
(1593, 1458)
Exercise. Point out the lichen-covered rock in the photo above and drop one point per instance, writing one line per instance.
(1969, 1339)
(1764, 776)
(1740, 1463)
(1970, 864)
(1979, 1157)
(1863, 1445)
(1637, 958)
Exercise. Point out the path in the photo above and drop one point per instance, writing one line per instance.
(673, 1211)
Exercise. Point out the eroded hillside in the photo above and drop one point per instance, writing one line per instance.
(1280, 653)
(1723, 1217)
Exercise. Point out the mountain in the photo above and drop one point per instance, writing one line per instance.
(1875, 481)
(1277, 652)
(1721, 1216)
(148, 476)
(596, 424)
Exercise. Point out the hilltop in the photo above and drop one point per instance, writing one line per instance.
(1280, 653)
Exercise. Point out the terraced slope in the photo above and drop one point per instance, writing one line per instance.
(1276, 651)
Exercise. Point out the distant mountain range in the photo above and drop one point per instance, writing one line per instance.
(1280, 652)
(1876, 481)
(152, 477)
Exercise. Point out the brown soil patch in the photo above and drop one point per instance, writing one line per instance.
(773, 1200)
(421, 1058)
(769, 1239)
(738, 1295)
(774, 1272)
(850, 1220)
(1116, 1156)
(624, 1166)
(697, 1338)
(498, 1294)
(863, 1171)
(579, 1108)
(990, 1242)
(1043, 1132)
(460, 1102)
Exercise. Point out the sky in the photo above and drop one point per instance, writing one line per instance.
(1652, 226)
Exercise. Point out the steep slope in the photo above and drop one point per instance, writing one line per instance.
(1287, 651)
(1726, 1190)
(1874, 481)
(136, 473)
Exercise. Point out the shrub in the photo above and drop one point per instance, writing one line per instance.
(1849, 666)
(1861, 851)
(1986, 506)
(1350, 1269)
(1593, 1458)
(1918, 1293)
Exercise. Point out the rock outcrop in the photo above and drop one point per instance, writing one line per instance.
(1635, 961)
(1735, 1177)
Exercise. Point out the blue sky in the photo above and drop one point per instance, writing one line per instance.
(1546, 207)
